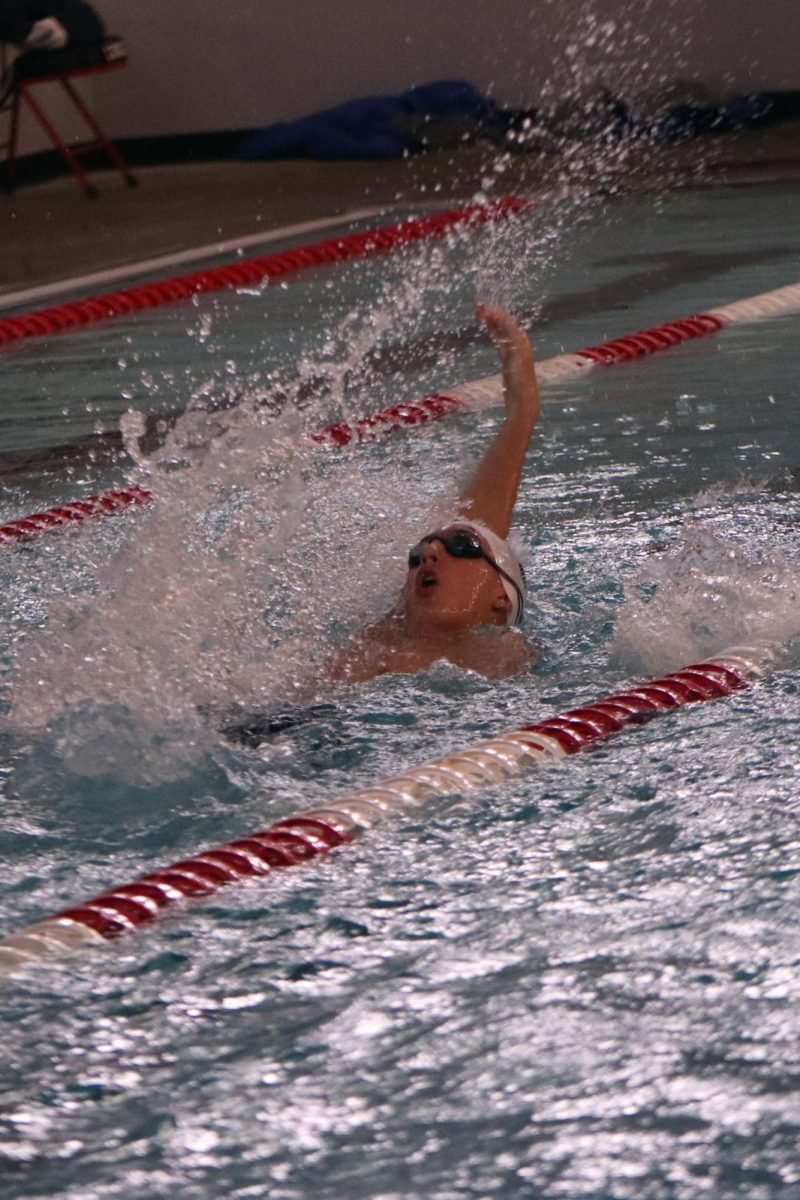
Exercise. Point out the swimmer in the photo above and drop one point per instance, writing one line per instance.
(465, 587)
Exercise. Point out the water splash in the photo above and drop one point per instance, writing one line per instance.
(596, 123)
(703, 595)
(260, 550)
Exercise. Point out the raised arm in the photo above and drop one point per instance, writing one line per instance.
(491, 493)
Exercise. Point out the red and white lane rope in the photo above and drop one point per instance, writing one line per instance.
(29, 527)
(484, 393)
(474, 395)
(253, 271)
(308, 834)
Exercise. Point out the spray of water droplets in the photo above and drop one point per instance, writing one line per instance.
(262, 551)
(707, 593)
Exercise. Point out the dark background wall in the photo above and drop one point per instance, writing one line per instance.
(202, 65)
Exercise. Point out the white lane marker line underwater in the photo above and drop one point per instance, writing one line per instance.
(473, 395)
(247, 272)
(78, 283)
(306, 835)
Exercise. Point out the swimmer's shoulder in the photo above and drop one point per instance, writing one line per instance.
(373, 651)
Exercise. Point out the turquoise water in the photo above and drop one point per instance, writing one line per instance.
(582, 983)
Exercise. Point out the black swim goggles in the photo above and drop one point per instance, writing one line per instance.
(462, 543)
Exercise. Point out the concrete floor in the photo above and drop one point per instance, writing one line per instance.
(52, 232)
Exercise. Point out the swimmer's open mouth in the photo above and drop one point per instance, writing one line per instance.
(426, 579)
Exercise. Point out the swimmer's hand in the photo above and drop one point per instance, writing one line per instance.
(491, 493)
(520, 389)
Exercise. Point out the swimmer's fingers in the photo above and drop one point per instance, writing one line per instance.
(502, 328)
(521, 393)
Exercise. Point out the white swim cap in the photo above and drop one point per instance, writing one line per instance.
(515, 586)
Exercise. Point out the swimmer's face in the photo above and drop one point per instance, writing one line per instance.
(444, 593)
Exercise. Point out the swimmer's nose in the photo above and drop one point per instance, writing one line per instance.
(429, 553)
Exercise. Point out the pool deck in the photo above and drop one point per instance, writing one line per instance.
(53, 232)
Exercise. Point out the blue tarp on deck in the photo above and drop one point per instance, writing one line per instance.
(371, 127)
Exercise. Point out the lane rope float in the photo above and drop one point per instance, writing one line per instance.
(317, 831)
(249, 272)
(474, 395)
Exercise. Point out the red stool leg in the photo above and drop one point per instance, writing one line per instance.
(10, 171)
(69, 155)
(102, 141)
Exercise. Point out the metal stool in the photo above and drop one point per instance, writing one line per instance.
(30, 70)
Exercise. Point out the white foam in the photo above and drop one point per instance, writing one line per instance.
(703, 595)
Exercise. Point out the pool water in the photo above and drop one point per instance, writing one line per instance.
(580, 983)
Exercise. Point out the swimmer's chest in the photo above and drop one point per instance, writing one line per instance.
(495, 656)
